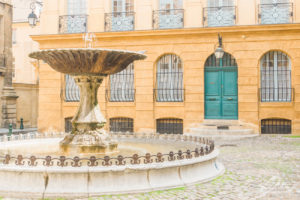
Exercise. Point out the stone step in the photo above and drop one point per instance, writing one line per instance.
(203, 131)
(220, 122)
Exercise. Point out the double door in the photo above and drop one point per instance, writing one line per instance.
(221, 93)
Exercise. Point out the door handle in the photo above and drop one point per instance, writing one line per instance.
(212, 99)
(230, 99)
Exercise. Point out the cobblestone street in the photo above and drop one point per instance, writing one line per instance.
(265, 167)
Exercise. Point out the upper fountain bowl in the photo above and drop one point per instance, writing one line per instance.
(88, 61)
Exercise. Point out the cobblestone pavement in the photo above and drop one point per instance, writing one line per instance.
(264, 168)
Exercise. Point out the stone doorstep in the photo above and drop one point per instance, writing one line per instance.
(221, 132)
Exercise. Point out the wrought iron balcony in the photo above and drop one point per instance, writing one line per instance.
(2, 60)
(272, 94)
(219, 16)
(120, 95)
(168, 19)
(169, 95)
(73, 23)
(119, 21)
(275, 13)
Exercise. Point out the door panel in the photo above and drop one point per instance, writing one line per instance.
(221, 93)
(212, 93)
(229, 93)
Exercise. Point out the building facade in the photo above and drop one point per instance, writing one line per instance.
(8, 94)
(25, 70)
(181, 85)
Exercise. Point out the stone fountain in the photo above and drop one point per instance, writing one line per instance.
(89, 67)
(46, 165)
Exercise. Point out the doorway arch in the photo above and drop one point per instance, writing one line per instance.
(221, 87)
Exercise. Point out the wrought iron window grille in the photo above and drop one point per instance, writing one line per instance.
(2, 60)
(169, 95)
(121, 124)
(119, 21)
(219, 16)
(276, 94)
(71, 91)
(121, 86)
(68, 124)
(275, 77)
(275, 13)
(169, 126)
(169, 79)
(276, 126)
(168, 19)
(73, 23)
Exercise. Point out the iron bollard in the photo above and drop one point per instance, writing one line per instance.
(21, 124)
(10, 130)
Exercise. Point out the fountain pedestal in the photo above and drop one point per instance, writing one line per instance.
(88, 135)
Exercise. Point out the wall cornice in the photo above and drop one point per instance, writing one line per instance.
(186, 32)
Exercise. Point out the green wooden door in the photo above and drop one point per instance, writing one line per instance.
(221, 91)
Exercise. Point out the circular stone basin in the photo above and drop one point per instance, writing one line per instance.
(88, 61)
(143, 163)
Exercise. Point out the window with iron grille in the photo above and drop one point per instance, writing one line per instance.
(121, 124)
(76, 19)
(169, 126)
(122, 86)
(169, 15)
(72, 92)
(68, 124)
(219, 13)
(275, 77)
(169, 79)
(276, 126)
(275, 11)
(122, 16)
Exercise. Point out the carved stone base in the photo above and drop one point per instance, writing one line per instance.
(91, 142)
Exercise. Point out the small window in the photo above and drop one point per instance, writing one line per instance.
(276, 126)
(121, 124)
(169, 126)
(68, 124)
(14, 36)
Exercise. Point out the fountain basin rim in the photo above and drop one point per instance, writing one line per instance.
(141, 53)
(113, 168)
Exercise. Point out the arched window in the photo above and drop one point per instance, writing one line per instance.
(122, 85)
(220, 13)
(169, 126)
(72, 92)
(275, 11)
(122, 16)
(275, 77)
(276, 126)
(169, 79)
(121, 124)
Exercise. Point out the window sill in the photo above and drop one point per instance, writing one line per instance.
(169, 104)
(276, 104)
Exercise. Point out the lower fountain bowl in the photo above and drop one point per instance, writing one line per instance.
(187, 160)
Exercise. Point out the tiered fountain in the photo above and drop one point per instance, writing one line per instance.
(84, 163)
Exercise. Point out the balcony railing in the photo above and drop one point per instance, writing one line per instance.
(276, 94)
(169, 95)
(120, 95)
(119, 21)
(219, 16)
(275, 13)
(73, 23)
(2, 60)
(168, 19)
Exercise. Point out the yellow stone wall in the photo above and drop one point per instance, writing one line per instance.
(193, 45)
